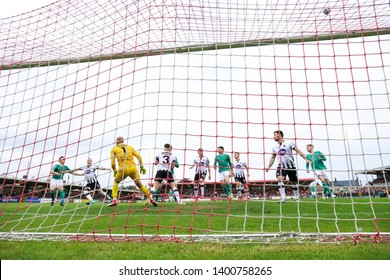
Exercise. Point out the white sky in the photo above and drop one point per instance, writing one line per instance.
(65, 110)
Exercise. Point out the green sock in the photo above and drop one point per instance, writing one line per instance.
(313, 190)
(326, 188)
(62, 195)
(53, 196)
(227, 190)
(157, 195)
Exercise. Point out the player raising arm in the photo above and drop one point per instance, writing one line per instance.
(89, 172)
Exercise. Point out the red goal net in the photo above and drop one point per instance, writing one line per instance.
(74, 75)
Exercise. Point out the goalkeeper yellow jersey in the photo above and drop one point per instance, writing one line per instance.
(125, 155)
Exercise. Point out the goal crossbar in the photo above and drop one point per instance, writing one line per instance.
(198, 48)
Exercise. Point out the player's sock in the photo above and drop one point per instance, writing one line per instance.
(239, 193)
(62, 195)
(327, 189)
(196, 192)
(114, 191)
(146, 192)
(227, 190)
(177, 195)
(157, 196)
(89, 197)
(282, 190)
(202, 190)
(53, 196)
(295, 192)
(245, 194)
(313, 192)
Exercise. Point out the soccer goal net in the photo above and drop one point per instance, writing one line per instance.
(75, 75)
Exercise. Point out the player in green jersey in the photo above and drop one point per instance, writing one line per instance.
(317, 163)
(224, 170)
(57, 179)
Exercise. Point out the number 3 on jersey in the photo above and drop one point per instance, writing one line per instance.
(165, 159)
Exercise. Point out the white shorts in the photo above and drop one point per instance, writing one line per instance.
(56, 183)
(223, 174)
(321, 173)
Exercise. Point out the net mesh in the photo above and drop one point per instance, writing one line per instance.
(74, 75)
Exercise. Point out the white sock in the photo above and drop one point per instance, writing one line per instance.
(282, 191)
(202, 189)
(196, 192)
(89, 197)
(176, 193)
(296, 192)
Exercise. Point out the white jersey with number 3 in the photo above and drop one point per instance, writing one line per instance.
(165, 160)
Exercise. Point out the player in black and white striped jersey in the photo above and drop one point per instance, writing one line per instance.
(283, 152)
(92, 181)
(239, 168)
(165, 162)
(202, 164)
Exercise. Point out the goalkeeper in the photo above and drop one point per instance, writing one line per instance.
(317, 158)
(127, 167)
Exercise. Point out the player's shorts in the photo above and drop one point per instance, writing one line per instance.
(199, 176)
(93, 186)
(130, 171)
(321, 173)
(223, 174)
(56, 183)
(164, 175)
(240, 179)
(291, 173)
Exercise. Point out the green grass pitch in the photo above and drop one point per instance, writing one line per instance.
(206, 218)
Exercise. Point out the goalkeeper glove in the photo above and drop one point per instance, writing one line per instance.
(142, 170)
(115, 173)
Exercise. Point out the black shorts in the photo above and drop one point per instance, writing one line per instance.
(291, 173)
(93, 186)
(200, 176)
(164, 175)
(240, 179)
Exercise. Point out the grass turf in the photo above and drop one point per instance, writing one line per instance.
(211, 217)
